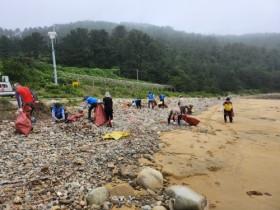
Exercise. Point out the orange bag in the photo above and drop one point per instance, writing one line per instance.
(23, 124)
(74, 117)
(99, 115)
(190, 120)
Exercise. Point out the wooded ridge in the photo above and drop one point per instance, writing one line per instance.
(189, 62)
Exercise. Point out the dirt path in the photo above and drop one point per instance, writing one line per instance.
(229, 163)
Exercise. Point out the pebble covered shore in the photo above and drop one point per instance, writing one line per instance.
(57, 165)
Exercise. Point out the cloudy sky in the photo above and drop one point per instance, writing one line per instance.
(192, 16)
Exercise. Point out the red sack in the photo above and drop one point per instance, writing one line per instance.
(99, 115)
(190, 120)
(74, 117)
(232, 113)
(184, 117)
(23, 124)
(154, 103)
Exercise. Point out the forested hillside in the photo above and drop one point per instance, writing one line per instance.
(190, 62)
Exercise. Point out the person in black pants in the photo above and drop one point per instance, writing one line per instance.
(92, 103)
(228, 110)
(108, 106)
(137, 103)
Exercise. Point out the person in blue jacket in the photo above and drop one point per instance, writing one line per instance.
(91, 102)
(137, 103)
(59, 114)
(161, 98)
(151, 99)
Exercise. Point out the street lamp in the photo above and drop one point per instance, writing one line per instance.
(52, 35)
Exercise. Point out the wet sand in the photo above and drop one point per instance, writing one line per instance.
(235, 165)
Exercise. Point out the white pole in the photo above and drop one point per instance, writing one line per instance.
(54, 63)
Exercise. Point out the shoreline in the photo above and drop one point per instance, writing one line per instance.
(236, 166)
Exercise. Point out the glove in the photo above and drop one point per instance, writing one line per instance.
(36, 103)
(20, 110)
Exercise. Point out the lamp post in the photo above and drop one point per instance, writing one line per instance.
(52, 36)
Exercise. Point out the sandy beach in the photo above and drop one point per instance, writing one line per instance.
(235, 165)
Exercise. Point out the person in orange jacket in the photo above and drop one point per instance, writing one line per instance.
(26, 99)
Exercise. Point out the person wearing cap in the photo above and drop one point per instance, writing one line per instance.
(228, 110)
(90, 102)
(182, 104)
(108, 106)
(174, 113)
(59, 114)
(25, 99)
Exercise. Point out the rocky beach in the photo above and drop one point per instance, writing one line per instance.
(58, 166)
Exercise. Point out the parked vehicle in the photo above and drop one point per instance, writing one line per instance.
(6, 87)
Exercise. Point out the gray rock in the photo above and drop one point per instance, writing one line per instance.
(150, 178)
(97, 196)
(146, 207)
(185, 198)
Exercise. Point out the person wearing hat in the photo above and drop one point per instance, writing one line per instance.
(228, 110)
(59, 114)
(108, 106)
(174, 113)
(91, 102)
(182, 104)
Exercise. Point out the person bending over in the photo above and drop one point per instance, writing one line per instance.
(90, 102)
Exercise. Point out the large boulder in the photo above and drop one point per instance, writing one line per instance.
(185, 198)
(97, 196)
(150, 178)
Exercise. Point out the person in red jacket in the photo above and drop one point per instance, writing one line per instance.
(25, 98)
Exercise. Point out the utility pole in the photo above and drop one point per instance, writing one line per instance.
(52, 35)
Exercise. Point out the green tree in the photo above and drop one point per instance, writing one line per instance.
(9, 47)
(16, 70)
(34, 45)
(99, 48)
(118, 46)
(73, 50)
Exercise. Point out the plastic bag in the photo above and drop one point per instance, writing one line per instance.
(23, 124)
(116, 135)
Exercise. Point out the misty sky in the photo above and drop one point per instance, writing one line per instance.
(192, 16)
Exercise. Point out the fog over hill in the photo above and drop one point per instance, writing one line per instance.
(267, 40)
